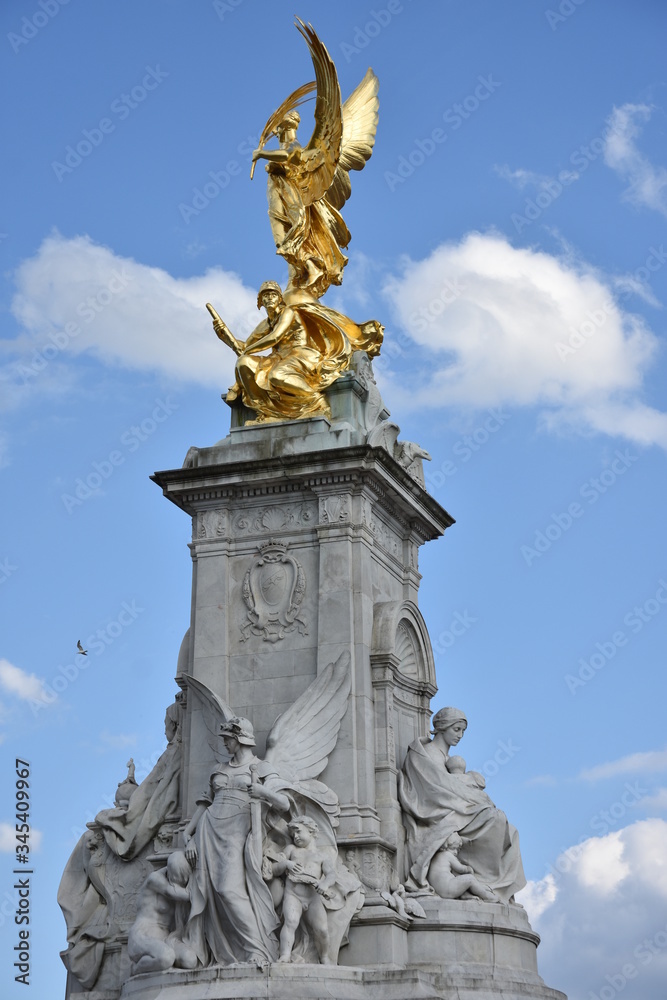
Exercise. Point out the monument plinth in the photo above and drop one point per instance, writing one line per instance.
(302, 836)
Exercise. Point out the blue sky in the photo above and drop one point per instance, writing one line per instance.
(509, 231)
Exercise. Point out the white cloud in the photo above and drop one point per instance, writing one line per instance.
(124, 313)
(18, 682)
(656, 802)
(546, 780)
(8, 838)
(538, 896)
(634, 763)
(118, 741)
(603, 917)
(647, 185)
(600, 863)
(521, 178)
(500, 323)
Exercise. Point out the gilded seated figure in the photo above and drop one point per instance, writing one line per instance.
(310, 345)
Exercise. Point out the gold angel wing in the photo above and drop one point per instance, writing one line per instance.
(314, 171)
(302, 738)
(291, 103)
(360, 121)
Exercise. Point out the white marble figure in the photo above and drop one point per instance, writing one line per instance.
(128, 828)
(86, 901)
(154, 943)
(473, 779)
(127, 787)
(437, 803)
(404, 905)
(453, 880)
(310, 874)
(232, 913)
(233, 916)
(93, 885)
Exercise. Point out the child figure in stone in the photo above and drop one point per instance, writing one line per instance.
(453, 880)
(473, 779)
(154, 943)
(310, 874)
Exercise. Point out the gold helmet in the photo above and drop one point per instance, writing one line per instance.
(268, 286)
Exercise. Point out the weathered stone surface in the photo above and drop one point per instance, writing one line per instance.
(305, 541)
(317, 982)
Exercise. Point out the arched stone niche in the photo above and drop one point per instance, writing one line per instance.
(403, 676)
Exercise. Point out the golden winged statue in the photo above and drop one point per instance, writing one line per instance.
(307, 186)
(311, 345)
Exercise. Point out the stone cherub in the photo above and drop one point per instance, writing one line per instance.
(310, 874)
(454, 880)
(473, 779)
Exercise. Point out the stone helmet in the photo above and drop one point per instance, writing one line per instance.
(240, 728)
(268, 286)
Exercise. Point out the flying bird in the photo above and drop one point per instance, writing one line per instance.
(80, 649)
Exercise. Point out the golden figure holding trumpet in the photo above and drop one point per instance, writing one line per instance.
(311, 345)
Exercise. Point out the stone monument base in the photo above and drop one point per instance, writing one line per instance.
(322, 982)
(461, 950)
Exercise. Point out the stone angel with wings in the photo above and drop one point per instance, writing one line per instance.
(307, 186)
(237, 838)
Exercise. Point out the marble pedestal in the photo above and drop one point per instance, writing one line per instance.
(305, 547)
(461, 951)
(305, 542)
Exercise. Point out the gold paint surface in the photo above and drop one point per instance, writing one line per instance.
(310, 344)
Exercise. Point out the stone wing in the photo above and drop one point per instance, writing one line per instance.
(214, 710)
(302, 738)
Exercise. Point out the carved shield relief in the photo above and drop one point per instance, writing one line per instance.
(273, 589)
